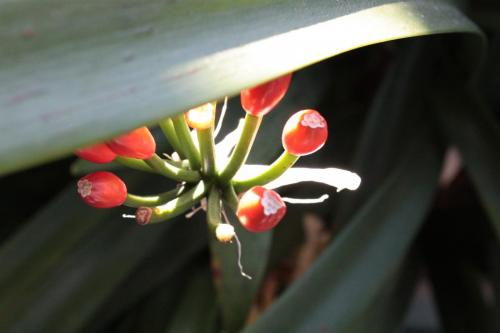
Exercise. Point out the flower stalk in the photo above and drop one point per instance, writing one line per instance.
(242, 149)
(169, 170)
(207, 150)
(173, 208)
(275, 170)
(167, 127)
(136, 201)
(185, 139)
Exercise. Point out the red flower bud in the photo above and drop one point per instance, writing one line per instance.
(259, 100)
(99, 153)
(138, 143)
(260, 209)
(102, 190)
(304, 133)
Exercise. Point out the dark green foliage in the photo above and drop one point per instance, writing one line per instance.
(394, 108)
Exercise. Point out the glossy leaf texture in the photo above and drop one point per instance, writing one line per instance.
(65, 85)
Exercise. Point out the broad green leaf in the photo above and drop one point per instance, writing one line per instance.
(157, 310)
(74, 73)
(196, 308)
(459, 296)
(388, 308)
(344, 280)
(473, 129)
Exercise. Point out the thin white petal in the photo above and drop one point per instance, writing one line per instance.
(224, 147)
(339, 178)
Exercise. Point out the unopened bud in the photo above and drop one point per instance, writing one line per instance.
(224, 232)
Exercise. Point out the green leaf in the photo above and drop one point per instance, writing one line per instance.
(352, 270)
(73, 74)
(156, 311)
(473, 129)
(388, 308)
(196, 309)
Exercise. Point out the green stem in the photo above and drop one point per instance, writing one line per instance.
(169, 170)
(134, 163)
(186, 141)
(275, 170)
(207, 150)
(136, 201)
(242, 149)
(167, 127)
(213, 209)
(173, 208)
(231, 198)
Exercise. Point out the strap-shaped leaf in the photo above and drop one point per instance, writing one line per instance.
(72, 74)
(196, 308)
(470, 125)
(389, 307)
(348, 276)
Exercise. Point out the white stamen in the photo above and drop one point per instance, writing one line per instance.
(313, 120)
(306, 201)
(202, 206)
(193, 212)
(238, 243)
(238, 246)
(270, 203)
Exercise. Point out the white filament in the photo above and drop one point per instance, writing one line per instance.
(306, 201)
(238, 246)
(221, 118)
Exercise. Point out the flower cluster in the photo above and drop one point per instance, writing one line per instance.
(206, 172)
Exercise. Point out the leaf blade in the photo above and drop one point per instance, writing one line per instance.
(59, 83)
